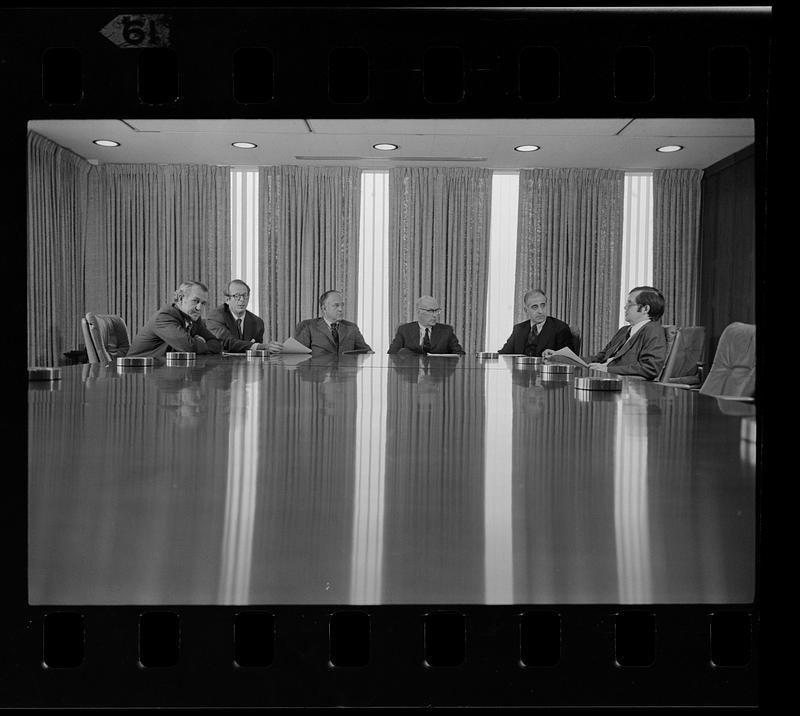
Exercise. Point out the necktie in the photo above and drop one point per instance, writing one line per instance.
(335, 333)
(622, 342)
(426, 342)
(239, 326)
(530, 346)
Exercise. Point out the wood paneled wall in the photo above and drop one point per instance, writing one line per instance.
(728, 246)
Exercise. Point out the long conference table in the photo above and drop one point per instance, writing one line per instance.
(375, 479)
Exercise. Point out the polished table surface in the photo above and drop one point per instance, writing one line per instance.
(373, 479)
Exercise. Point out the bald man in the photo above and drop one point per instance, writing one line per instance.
(426, 334)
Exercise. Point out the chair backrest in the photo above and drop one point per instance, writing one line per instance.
(733, 372)
(685, 348)
(87, 339)
(110, 334)
(576, 339)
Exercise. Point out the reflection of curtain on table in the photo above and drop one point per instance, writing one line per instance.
(676, 238)
(563, 458)
(439, 220)
(304, 514)
(309, 241)
(569, 239)
(434, 496)
(60, 188)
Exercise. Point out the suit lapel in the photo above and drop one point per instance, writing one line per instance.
(628, 344)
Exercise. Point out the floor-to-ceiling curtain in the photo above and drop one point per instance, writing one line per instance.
(160, 225)
(60, 187)
(676, 231)
(309, 242)
(439, 220)
(569, 239)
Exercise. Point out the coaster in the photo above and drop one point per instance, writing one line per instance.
(125, 362)
(605, 384)
(44, 373)
(181, 355)
(557, 369)
(530, 360)
(259, 353)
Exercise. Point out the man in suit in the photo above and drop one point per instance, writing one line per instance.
(425, 335)
(539, 332)
(238, 329)
(330, 333)
(178, 326)
(641, 347)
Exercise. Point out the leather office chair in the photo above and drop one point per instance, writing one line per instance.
(685, 348)
(576, 340)
(733, 372)
(87, 339)
(109, 335)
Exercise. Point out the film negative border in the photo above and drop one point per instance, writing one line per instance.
(354, 63)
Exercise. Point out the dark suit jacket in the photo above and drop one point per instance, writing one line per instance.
(443, 339)
(554, 334)
(221, 322)
(642, 355)
(315, 334)
(167, 330)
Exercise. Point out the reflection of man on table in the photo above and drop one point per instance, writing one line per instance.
(425, 335)
(641, 347)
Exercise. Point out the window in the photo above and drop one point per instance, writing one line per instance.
(244, 233)
(637, 235)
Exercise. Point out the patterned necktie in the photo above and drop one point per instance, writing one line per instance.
(335, 333)
(530, 346)
(426, 342)
(239, 327)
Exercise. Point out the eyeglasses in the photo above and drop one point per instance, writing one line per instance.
(431, 310)
(239, 296)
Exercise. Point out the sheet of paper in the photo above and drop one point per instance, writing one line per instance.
(232, 355)
(290, 345)
(444, 355)
(565, 355)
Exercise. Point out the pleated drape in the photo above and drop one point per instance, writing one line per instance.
(161, 225)
(60, 185)
(309, 241)
(116, 238)
(676, 230)
(569, 242)
(439, 220)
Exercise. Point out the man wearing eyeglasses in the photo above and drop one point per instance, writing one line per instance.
(639, 348)
(237, 328)
(426, 335)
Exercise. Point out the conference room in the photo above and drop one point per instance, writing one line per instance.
(251, 476)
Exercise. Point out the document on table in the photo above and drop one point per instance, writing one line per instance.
(565, 355)
(290, 345)
(443, 355)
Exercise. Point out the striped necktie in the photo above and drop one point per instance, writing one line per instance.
(335, 333)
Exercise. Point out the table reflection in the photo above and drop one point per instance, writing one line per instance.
(370, 479)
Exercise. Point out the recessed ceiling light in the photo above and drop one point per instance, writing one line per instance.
(527, 148)
(385, 147)
(244, 145)
(105, 142)
(670, 148)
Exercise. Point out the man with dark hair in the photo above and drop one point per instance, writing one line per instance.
(178, 326)
(426, 335)
(539, 331)
(330, 333)
(238, 329)
(641, 347)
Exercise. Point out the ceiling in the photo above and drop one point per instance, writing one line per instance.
(626, 143)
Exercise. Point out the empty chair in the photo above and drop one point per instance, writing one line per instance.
(685, 348)
(733, 373)
(87, 339)
(109, 335)
(576, 340)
